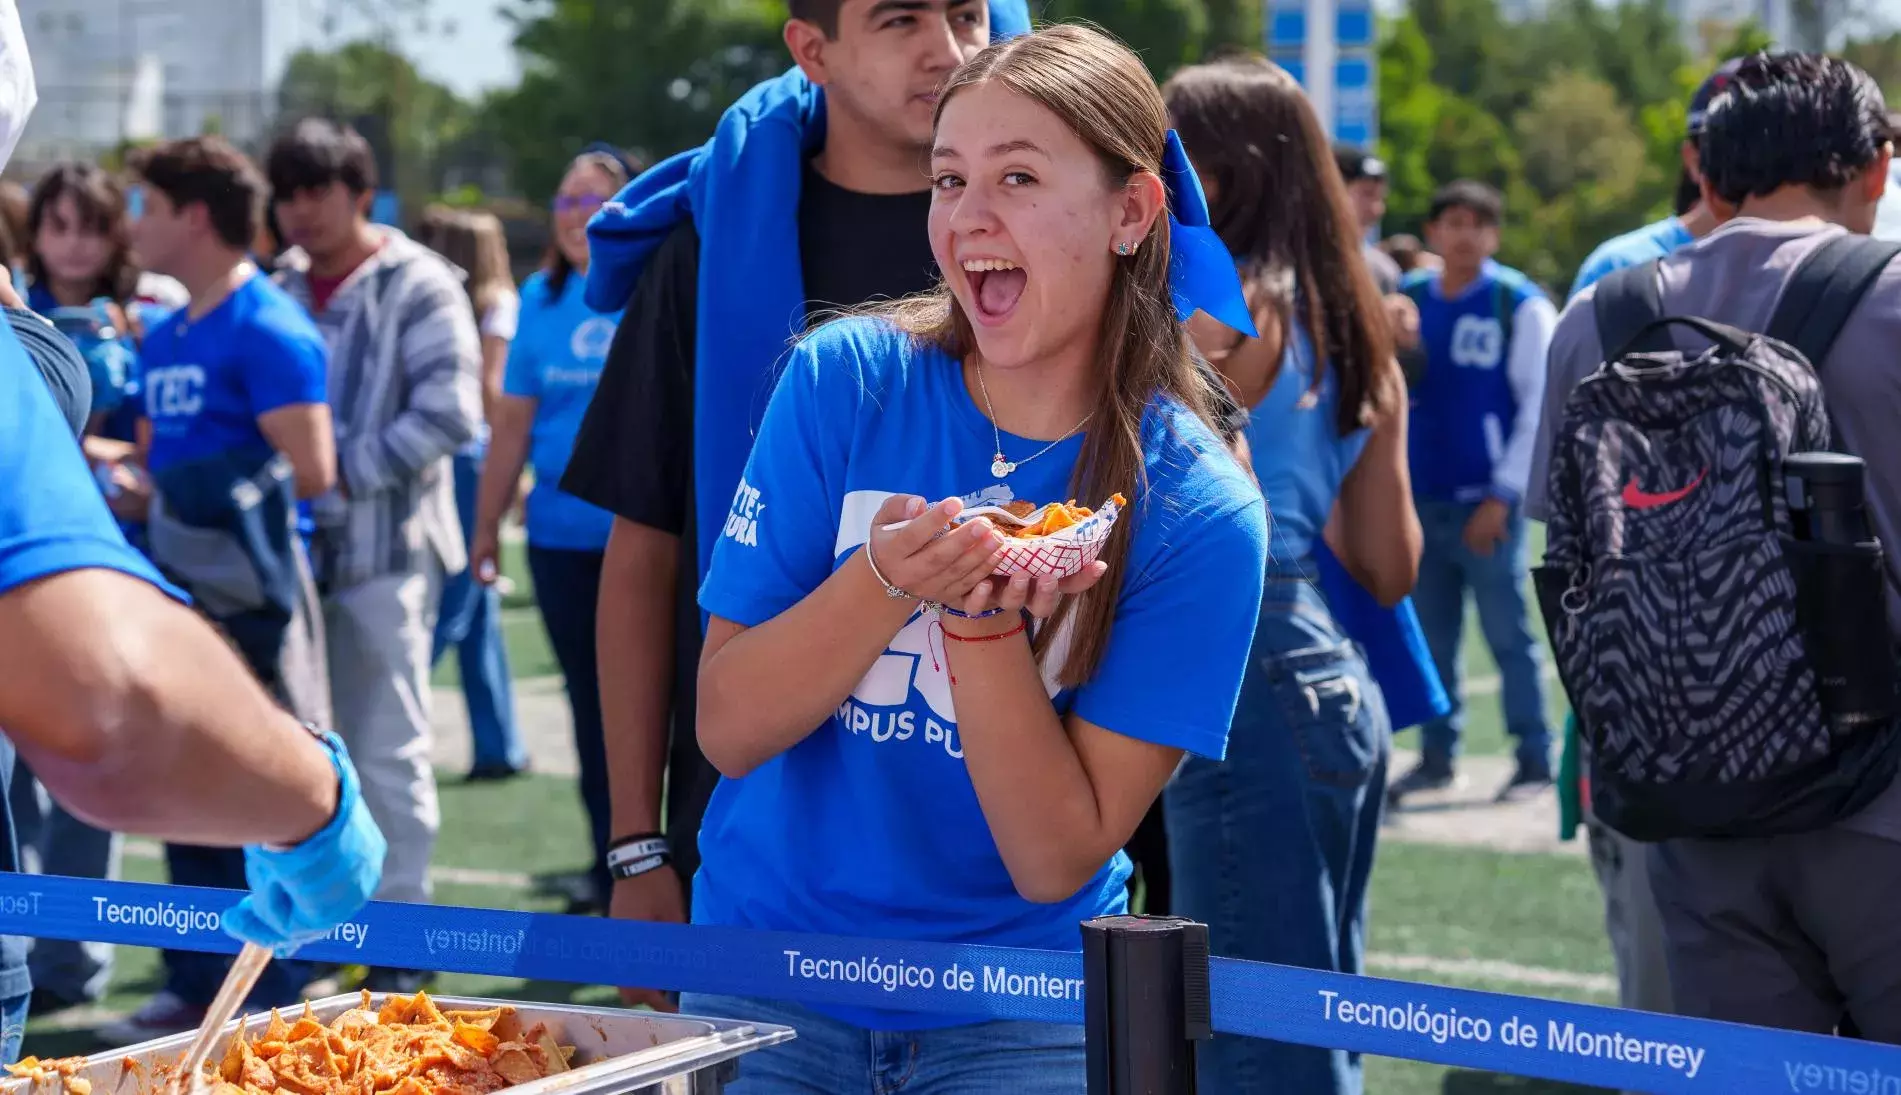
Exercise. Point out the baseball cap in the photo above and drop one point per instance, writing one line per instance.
(1356, 163)
(1717, 83)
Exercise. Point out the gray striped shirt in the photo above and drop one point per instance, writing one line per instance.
(405, 391)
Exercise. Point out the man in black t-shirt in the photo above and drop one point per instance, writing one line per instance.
(863, 206)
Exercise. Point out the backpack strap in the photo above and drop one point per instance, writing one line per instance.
(1825, 289)
(1627, 305)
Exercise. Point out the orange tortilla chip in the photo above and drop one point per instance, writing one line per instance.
(408, 1047)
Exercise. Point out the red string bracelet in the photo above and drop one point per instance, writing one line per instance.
(1020, 628)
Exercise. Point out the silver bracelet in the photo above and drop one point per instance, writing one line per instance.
(890, 590)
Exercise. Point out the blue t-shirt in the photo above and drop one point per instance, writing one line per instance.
(206, 381)
(1652, 241)
(556, 360)
(870, 826)
(1299, 457)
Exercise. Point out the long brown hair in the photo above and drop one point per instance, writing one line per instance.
(1277, 200)
(1104, 95)
(475, 242)
(100, 205)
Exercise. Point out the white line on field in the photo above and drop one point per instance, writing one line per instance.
(1488, 970)
(1490, 684)
(454, 876)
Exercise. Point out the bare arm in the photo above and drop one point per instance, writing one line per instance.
(1060, 795)
(1374, 528)
(139, 718)
(764, 689)
(809, 657)
(634, 641)
(494, 367)
(303, 433)
(511, 421)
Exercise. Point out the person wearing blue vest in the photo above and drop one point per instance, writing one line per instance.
(1485, 329)
(1273, 847)
(553, 368)
(811, 197)
(912, 746)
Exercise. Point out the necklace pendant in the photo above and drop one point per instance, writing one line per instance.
(1001, 467)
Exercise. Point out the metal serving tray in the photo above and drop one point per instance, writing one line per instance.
(617, 1052)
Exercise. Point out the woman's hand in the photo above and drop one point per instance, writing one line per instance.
(485, 557)
(916, 560)
(1021, 592)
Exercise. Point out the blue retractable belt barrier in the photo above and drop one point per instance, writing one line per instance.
(1521, 1035)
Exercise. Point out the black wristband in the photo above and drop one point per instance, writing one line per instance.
(624, 869)
(623, 841)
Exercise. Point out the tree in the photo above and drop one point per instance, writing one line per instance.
(1585, 167)
(1234, 25)
(1881, 59)
(1167, 33)
(652, 76)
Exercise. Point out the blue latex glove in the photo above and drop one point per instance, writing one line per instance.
(301, 894)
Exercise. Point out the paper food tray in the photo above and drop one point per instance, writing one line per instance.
(616, 1051)
(1063, 553)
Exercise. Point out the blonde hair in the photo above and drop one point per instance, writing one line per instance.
(1102, 92)
(475, 242)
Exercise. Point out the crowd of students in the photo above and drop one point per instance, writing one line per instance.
(748, 560)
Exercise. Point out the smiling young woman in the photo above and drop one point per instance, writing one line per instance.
(966, 755)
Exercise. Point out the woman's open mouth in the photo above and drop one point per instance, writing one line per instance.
(996, 287)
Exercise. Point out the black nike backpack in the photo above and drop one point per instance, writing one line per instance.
(1678, 604)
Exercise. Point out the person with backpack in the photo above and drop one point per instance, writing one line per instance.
(1484, 328)
(1733, 672)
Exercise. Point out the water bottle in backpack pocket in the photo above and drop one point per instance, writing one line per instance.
(1841, 588)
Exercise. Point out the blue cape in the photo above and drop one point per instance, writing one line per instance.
(741, 191)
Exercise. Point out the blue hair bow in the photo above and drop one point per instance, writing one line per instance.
(1201, 272)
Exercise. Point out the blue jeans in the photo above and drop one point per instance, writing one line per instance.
(1272, 848)
(12, 1027)
(834, 1058)
(1497, 581)
(567, 587)
(470, 619)
(194, 976)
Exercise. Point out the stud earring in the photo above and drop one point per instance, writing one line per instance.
(1123, 249)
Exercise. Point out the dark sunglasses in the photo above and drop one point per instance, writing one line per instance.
(578, 203)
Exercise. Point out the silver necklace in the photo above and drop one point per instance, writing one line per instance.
(1000, 467)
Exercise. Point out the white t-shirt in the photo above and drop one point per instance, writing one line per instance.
(502, 317)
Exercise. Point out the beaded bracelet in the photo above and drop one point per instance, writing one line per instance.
(984, 615)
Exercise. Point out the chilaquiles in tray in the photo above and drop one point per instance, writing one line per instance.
(407, 1047)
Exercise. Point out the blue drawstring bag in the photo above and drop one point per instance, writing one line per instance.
(1394, 643)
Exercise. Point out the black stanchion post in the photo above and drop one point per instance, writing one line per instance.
(1146, 1004)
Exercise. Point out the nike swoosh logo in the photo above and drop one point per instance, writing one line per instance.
(1638, 498)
